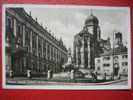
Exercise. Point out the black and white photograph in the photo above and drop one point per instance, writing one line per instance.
(76, 47)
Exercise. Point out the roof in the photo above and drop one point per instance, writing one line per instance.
(115, 51)
(28, 18)
(91, 18)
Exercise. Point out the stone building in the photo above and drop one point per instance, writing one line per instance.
(88, 44)
(115, 60)
(29, 46)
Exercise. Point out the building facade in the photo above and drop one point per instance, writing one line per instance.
(88, 44)
(29, 46)
(112, 62)
(115, 61)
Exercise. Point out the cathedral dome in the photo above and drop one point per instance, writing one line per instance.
(91, 20)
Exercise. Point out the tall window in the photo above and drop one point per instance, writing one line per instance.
(34, 43)
(48, 51)
(27, 39)
(9, 28)
(44, 49)
(39, 46)
(51, 52)
(19, 34)
(55, 54)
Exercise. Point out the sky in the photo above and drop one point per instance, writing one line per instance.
(67, 21)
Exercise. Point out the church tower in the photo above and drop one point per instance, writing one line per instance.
(86, 43)
(93, 29)
(118, 40)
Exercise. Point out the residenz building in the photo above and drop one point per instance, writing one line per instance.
(29, 46)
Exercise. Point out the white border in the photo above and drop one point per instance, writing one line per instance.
(65, 87)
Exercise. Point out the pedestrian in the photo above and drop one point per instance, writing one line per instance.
(29, 73)
(105, 75)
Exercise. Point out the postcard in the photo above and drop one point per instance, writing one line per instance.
(70, 47)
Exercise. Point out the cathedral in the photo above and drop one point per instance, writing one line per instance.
(88, 44)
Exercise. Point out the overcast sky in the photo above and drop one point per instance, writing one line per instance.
(67, 21)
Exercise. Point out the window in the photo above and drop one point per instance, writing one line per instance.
(106, 65)
(124, 63)
(51, 52)
(106, 58)
(19, 33)
(54, 53)
(98, 68)
(98, 60)
(44, 48)
(34, 43)
(124, 56)
(9, 28)
(48, 50)
(39, 46)
(27, 39)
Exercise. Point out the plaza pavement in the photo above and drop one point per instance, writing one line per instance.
(60, 76)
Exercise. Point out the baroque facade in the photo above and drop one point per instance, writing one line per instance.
(30, 46)
(88, 44)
